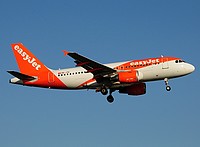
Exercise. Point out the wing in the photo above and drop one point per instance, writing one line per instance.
(97, 69)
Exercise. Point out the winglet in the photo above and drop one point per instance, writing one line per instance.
(65, 52)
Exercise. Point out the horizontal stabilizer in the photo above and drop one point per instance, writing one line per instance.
(21, 76)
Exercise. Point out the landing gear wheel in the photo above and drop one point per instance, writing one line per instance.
(168, 88)
(110, 99)
(104, 91)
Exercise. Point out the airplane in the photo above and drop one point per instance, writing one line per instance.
(127, 77)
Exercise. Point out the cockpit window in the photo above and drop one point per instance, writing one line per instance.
(179, 61)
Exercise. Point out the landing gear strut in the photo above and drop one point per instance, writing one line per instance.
(168, 88)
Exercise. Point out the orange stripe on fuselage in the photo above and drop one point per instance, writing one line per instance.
(43, 80)
(86, 83)
(137, 64)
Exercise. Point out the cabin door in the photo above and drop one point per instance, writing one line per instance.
(50, 77)
(165, 64)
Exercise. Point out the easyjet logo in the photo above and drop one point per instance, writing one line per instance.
(27, 58)
(145, 62)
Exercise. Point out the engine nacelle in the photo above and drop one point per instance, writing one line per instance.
(128, 77)
(136, 89)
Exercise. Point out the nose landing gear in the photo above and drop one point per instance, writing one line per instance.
(168, 88)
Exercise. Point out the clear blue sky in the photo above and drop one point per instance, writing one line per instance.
(106, 31)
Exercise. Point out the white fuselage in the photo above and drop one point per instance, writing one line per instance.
(78, 77)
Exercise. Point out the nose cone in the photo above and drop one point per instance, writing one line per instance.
(189, 68)
(192, 68)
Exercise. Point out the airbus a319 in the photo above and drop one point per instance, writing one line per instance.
(127, 77)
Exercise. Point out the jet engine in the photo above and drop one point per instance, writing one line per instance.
(136, 89)
(129, 77)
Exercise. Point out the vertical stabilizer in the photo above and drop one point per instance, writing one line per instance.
(27, 62)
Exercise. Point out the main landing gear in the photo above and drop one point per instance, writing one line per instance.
(168, 88)
(104, 91)
(110, 98)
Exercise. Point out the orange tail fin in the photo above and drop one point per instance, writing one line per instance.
(27, 62)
